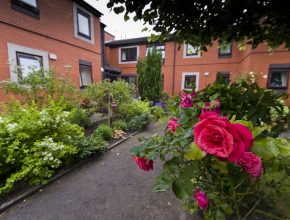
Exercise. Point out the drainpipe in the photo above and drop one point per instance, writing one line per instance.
(174, 63)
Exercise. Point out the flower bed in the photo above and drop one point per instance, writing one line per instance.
(219, 158)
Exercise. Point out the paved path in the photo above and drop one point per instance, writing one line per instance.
(109, 188)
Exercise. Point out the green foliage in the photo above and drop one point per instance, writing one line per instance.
(201, 22)
(247, 101)
(40, 86)
(138, 122)
(157, 112)
(80, 117)
(128, 110)
(230, 191)
(90, 145)
(33, 143)
(103, 131)
(98, 93)
(150, 76)
(120, 125)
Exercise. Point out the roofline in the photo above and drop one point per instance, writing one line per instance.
(132, 41)
(89, 7)
(110, 34)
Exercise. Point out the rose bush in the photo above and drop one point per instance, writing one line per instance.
(221, 160)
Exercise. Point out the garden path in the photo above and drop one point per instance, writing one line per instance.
(109, 188)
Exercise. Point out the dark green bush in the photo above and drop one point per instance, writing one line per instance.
(90, 145)
(80, 117)
(120, 125)
(138, 122)
(104, 131)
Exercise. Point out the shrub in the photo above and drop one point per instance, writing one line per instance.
(89, 145)
(40, 86)
(127, 111)
(138, 122)
(120, 125)
(97, 93)
(33, 143)
(157, 112)
(80, 117)
(104, 131)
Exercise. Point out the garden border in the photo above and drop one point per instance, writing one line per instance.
(11, 202)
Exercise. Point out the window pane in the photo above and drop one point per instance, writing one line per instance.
(84, 24)
(278, 78)
(129, 54)
(225, 48)
(86, 76)
(223, 77)
(30, 2)
(190, 82)
(160, 48)
(29, 62)
(190, 50)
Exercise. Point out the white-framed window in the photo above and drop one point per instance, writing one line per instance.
(128, 54)
(225, 49)
(191, 52)
(83, 24)
(190, 80)
(159, 47)
(24, 59)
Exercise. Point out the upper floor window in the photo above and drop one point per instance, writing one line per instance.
(223, 77)
(225, 49)
(160, 48)
(191, 51)
(28, 7)
(83, 24)
(128, 54)
(86, 77)
(278, 78)
(28, 63)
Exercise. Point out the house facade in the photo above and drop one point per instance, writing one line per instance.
(51, 34)
(185, 66)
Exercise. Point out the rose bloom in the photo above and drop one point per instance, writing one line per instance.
(143, 163)
(215, 109)
(217, 136)
(172, 124)
(186, 99)
(201, 199)
(251, 163)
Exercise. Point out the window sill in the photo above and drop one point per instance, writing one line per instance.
(224, 55)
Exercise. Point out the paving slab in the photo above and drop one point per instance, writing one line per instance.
(111, 187)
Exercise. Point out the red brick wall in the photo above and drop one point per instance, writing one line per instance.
(109, 37)
(56, 22)
(257, 60)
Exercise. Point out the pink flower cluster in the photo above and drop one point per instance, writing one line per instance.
(201, 199)
(173, 124)
(187, 99)
(217, 136)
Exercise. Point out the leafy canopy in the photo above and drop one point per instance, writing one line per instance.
(199, 22)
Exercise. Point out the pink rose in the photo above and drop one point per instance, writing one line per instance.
(201, 199)
(186, 99)
(251, 163)
(215, 109)
(172, 124)
(143, 163)
(217, 136)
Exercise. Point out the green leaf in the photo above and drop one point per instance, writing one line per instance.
(181, 188)
(248, 124)
(194, 153)
(258, 130)
(222, 166)
(126, 17)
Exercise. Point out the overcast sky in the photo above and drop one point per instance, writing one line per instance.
(116, 24)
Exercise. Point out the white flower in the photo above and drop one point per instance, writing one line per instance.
(1, 119)
(10, 127)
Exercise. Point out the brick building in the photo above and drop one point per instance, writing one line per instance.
(48, 34)
(184, 66)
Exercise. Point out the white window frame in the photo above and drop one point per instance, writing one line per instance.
(75, 13)
(128, 62)
(192, 56)
(184, 74)
(12, 59)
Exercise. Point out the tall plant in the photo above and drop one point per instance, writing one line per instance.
(150, 76)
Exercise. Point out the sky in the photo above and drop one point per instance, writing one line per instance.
(116, 24)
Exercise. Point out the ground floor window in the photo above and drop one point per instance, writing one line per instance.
(223, 77)
(278, 78)
(129, 78)
(28, 63)
(86, 77)
(190, 81)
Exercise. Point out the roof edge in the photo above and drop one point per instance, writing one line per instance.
(89, 7)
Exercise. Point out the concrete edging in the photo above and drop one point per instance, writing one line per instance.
(8, 204)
